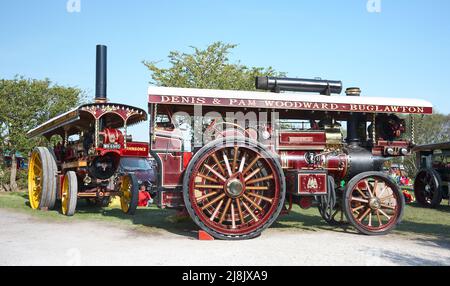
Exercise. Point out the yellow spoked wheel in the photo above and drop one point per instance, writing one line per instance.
(42, 182)
(69, 194)
(129, 193)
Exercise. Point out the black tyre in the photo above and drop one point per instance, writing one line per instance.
(42, 179)
(69, 194)
(428, 188)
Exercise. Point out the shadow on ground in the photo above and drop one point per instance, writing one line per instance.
(297, 220)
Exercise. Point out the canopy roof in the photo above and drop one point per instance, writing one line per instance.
(83, 118)
(287, 100)
(431, 147)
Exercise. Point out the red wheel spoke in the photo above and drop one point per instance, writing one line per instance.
(207, 177)
(360, 200)
(252, 174)
(257, 188)
(370, 218)
(241, 215)
(362, 194)
(254, 181)
(199, 199)
(375, 187)
(215, 173)
(233, 218)
(252, 202)
(250, 211)
(209, 187)
(225, 210)
(213, 201)
(235, 157)
(248, 168)
(379, 219)
(368, 187)
(364, 215)
(216, 211)
(241, 166)
(261, 197)
(358, 208)
(383, 213)
(227, 164)
(222, 170)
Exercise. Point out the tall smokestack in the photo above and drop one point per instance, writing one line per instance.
(100, 75)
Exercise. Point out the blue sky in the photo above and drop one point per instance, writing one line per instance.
(403, 51)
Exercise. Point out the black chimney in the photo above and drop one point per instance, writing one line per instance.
(100, 74)
(354, 124)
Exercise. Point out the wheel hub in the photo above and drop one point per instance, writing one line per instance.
(374, 203)
(234, 188)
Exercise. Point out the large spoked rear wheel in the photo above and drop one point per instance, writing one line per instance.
(129, 190)
(427, 188)
(69, 194)
(234, 189)
(373, 203)
(42, 181)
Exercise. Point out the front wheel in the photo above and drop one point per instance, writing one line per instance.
(129, 193)
(234, 188)
(373, 203)
(69, 194)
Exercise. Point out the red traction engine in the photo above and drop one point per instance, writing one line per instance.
(85, 163)
(235, 160)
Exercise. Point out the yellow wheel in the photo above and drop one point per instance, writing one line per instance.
(129, 193)
(69, 194)
(42, 182)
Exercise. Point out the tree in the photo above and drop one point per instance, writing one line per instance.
(24, 104)
(208, 68)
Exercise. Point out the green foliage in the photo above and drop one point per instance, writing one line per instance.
(209, 68)
(26, 103)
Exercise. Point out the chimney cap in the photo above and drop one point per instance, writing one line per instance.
(353, 91)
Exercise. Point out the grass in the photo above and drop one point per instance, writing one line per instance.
(417, 221)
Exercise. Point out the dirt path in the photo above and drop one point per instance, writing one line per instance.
(25, 240)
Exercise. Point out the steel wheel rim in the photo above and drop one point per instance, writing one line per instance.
(35, 182)
(125, 198)
(374, 204)
(230, 211)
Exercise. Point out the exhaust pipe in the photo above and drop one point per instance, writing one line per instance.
(100, 75)
(277, 84)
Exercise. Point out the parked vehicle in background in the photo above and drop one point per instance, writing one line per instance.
(144, 170)
(85, 163)
(431, 184)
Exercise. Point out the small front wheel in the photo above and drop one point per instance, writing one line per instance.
(129, 197)
(373, 203)
(69, 194)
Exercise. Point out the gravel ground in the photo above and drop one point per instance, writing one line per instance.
(25, 240)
